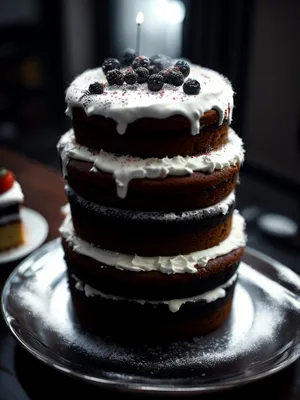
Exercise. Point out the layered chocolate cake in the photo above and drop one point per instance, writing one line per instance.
(153, 241)
(11, 200)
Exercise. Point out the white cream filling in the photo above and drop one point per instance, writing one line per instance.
(174, 304)
(179, 264)
(13, 195)
(127, 168)
(127, 103)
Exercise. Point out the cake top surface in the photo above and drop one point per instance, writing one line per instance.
(126, 103)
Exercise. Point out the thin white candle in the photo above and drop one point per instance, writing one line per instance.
(139, 21)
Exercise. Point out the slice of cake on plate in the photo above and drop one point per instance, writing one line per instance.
(11, 200)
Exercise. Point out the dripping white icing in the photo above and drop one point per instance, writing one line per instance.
(127, 103)
(126, 168)
(174, 305)
(179, 264)
(13, 195)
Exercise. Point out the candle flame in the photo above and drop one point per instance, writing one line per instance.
(140, 18)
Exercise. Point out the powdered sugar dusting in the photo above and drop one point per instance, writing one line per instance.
(261, 311)
(223, 207)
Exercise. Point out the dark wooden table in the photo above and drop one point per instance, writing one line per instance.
(22, 377)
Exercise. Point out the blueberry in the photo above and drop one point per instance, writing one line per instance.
(142, 74)
(155, 82)
(140, 61)
(130, 77)
(174, 77)
(183, 67)
(160, 64)
(167, 59)
(115, 77)
(110, 64)
(152, 69)
(191, 86)
(127, 56)
(96, 88)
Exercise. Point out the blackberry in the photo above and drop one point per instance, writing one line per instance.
(140, 61)
(164, 74)
(115, 77)
(183, 67)
(109, 64)
(130, 77)
(142, 74)
(191, 86)
(96, 88)
(127, 56)
(155, 82)
(174, 77)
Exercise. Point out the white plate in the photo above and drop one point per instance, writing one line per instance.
(36, 231)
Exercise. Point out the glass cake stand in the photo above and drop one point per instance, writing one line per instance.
(261, 337)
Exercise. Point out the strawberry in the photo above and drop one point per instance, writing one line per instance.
(7, 179)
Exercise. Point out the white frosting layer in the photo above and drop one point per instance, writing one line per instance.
(13, 195)
(179, 264)
(126, 168)
(127, 103)
(174, 304)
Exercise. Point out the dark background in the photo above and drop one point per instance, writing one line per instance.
(44, 44)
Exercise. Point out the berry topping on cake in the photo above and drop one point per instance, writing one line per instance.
(191, 86)
(183, 67)
(174, 77)
(159, 64)
(164, 73)
(141, 61)
(142, 74)
(7, 179)
(130, 77)
(167, 60)
(127, 56)
(152, 69)
(115, 77)
(96, 88)
(155, 82)
(109, 64)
